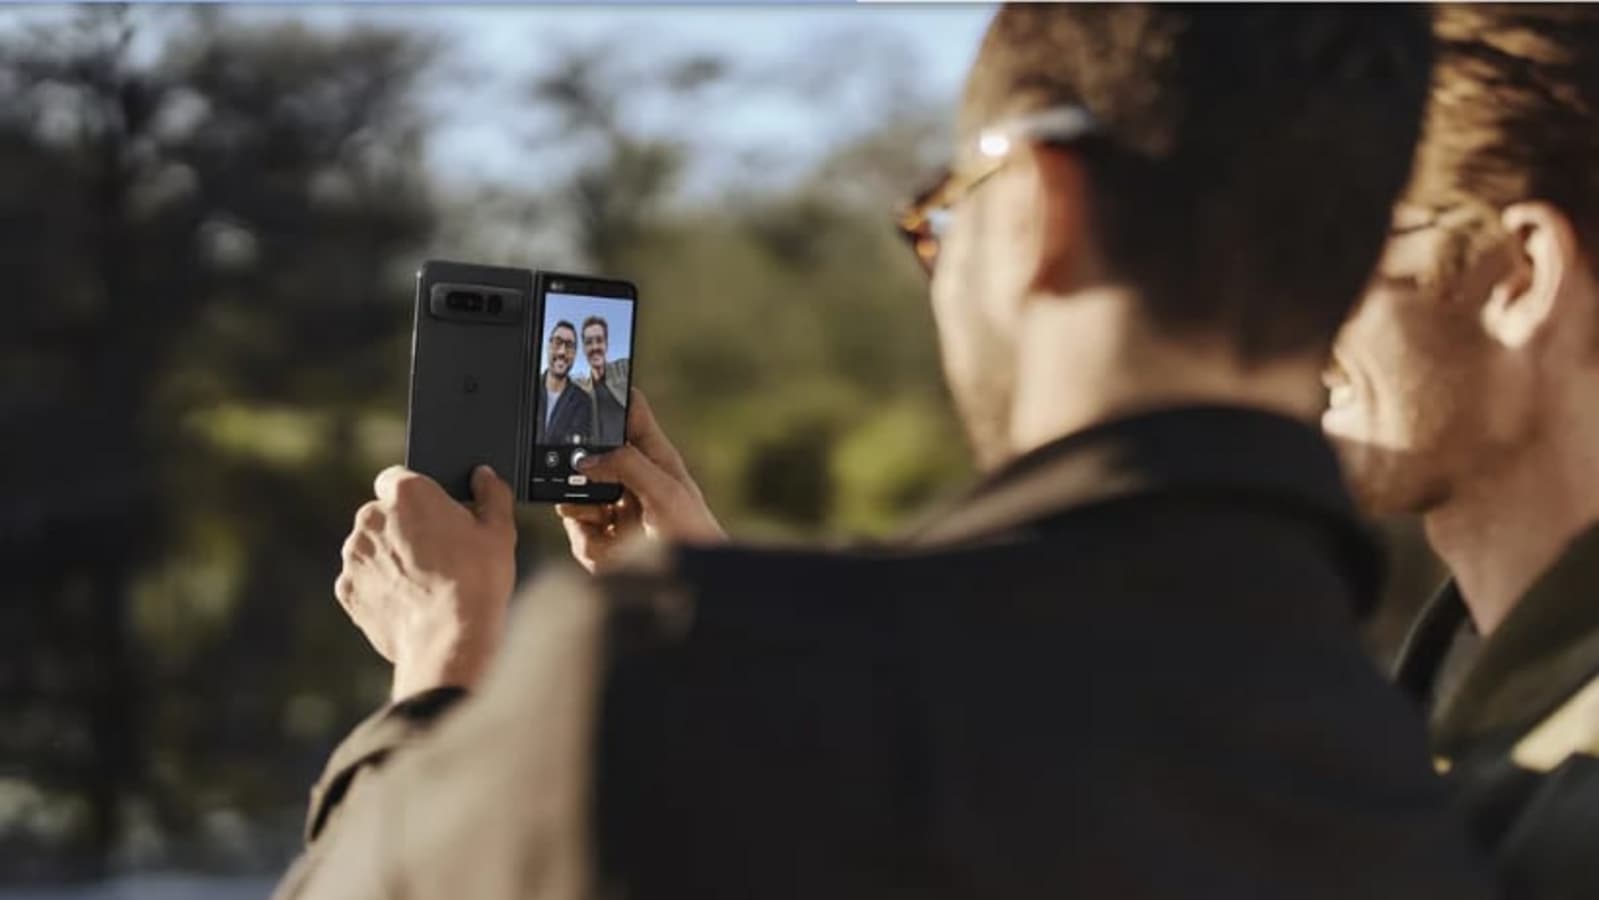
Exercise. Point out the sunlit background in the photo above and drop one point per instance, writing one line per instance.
(209, 222)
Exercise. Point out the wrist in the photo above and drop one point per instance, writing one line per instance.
(444, 658)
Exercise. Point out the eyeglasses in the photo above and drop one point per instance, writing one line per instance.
(559, 342)
(1448, 216)
(927, 217)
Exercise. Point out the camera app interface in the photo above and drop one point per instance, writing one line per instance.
(581, 397)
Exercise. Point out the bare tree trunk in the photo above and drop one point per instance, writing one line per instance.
(113, 712)
(120, 376)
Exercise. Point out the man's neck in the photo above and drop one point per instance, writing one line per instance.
(554, 383)
(1086, 359)
(1500, 532)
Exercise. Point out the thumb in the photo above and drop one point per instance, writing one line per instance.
(636, 472)
(644, 432)
(491, 497)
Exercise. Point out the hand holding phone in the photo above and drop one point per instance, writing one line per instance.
(439, 616)
(526, 374)
(660, 499)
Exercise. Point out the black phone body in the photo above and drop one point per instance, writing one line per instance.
(582, 361)
(469, 358)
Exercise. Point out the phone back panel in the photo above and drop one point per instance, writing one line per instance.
(469, 351)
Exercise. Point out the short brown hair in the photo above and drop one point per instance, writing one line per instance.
(1250, 156)
(596, 320)
(1513, 114)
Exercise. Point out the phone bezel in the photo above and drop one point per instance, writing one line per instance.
(545, 283)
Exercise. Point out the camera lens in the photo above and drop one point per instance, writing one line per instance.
(464, 300)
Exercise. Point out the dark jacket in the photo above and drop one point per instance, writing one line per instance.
(609, 403)
(572, 421)
(1124, 667)
(1515, 723)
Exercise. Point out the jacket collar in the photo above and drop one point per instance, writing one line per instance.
(1542, 653)
(1426, 646)
(1246, 456)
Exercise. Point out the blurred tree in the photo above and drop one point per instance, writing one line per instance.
(778, 322)
(208, 232)
(199, 225)
(610, 200)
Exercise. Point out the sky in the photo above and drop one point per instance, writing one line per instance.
(480, 128)
(805, 80)
(495, 48)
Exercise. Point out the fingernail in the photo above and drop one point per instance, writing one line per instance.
(586, 463)
(487, 470)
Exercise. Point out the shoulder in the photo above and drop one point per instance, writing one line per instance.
(417, 825)
(658, 592)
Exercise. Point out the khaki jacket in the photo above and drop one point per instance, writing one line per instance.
(1125, 666)
(616, 380)
(608, 413)
(492, 805)
(1515, 723)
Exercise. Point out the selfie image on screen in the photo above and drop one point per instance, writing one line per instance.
(580, 401)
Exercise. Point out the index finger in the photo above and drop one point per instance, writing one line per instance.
(386, 482)
(400, 486)
(628, 465)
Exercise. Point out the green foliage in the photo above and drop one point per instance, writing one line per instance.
(199, 246)
(778, 328)
(209, 247)
(208, 253)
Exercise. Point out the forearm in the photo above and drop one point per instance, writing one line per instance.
(370, 744)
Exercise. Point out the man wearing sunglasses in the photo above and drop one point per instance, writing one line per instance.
(1124, 665)
(1466, 390)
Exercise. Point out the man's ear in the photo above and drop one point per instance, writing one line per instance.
(1532, 295)
(1064, 260)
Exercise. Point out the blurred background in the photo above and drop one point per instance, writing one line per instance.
(210, 220)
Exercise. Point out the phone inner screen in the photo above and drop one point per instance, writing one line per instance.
(580, 397)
